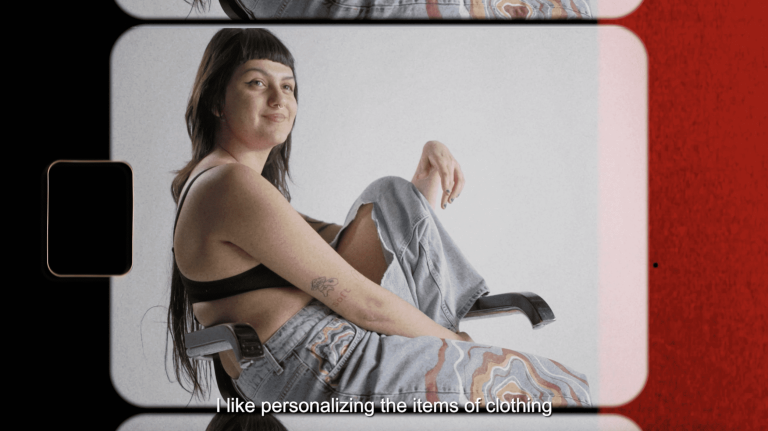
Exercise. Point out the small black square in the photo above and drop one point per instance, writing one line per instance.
(90, 218)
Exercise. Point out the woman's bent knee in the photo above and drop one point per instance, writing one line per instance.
(394, 190)
(390, 183)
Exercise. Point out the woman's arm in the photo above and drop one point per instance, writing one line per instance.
(242, 208)
(327, 231)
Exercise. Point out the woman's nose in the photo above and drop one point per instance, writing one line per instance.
(277, 98)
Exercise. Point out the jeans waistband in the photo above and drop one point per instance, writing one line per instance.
(296, 329)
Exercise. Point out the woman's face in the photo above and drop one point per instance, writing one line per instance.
(259, 106)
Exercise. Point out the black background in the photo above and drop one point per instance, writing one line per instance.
(62, 75)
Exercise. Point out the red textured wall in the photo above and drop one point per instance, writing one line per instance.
(708, 204)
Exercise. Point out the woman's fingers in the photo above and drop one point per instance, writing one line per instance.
(458, 180)
(445, 168)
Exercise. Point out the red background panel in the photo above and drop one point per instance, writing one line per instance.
(708, 215)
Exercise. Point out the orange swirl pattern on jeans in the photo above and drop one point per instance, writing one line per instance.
(499, 374)
(330, 345)
(495, 380)
(514, 9)
(419, 9)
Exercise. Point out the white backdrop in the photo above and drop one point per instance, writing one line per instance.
(516, 106)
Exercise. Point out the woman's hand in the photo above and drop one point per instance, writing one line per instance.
(438, 177)
(465, 337)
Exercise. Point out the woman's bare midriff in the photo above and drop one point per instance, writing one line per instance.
(264, 309)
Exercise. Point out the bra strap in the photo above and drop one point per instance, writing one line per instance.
(184, 197)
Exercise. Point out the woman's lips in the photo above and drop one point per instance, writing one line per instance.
(275, 118)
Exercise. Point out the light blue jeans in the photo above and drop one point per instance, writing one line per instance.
(417, 9)
(318, 355)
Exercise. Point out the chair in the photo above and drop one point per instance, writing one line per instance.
(230, 344)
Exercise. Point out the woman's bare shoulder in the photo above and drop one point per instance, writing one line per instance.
(226, 196)
(239, 206)
(234, 197)
(234, 184)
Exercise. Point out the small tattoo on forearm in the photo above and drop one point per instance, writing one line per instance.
(342, 296)
(324, 285)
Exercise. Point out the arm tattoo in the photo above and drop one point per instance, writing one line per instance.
(324, 285)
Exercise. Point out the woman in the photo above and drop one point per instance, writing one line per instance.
(388, 9)
(313, 291)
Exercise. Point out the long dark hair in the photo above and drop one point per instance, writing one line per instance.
(200, 5)
(227, 50)
(245, 422)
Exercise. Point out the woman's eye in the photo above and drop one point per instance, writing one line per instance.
(256, 82)
(288, 87)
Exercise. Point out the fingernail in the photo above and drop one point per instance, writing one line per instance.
(445, 206)
(451, 200)
(447, 191)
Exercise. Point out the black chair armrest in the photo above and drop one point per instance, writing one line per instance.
(233, 10)
(241, 338)
(531, 305)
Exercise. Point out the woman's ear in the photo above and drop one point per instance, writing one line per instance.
(216, 109)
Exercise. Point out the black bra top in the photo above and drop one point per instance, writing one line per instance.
(258, 277)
